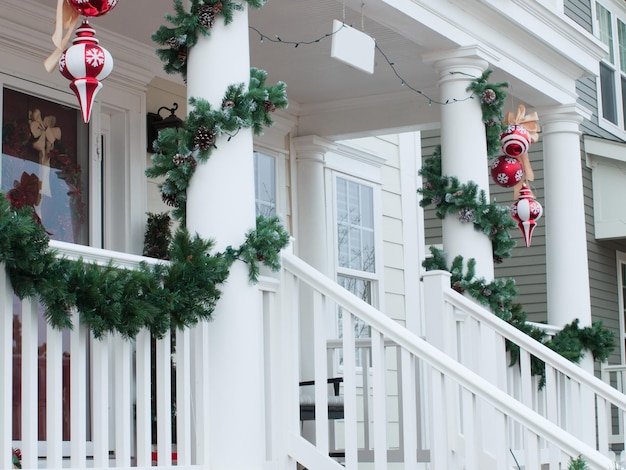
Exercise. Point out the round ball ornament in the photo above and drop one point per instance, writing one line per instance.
(92, 7)
(526, 211)
(85, 63)
(515, 140)
(506, 171)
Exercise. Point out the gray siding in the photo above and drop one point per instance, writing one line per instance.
(580, 12)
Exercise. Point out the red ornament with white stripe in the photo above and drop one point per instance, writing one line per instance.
(92, 7)
(526, 211)
(85, 63)
(506, 171)
(515, 140)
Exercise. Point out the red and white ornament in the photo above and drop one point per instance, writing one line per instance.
(92, 7)
(85, 63)
(506, 171)
(515, 140)
(526, 211)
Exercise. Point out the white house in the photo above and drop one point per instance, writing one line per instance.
(423, 376)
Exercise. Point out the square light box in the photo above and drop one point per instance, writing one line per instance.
(352, 47)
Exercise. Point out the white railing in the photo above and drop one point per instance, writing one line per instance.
(446, 407)
(615, 376)
(70, 400)
(571, 398)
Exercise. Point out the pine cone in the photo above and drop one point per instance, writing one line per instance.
(269, 106)
(170, 199)
(228, 104)
(204, 138)
(173, 43)
(206, 16)
(192, 161)
(178, 159)
(497, 259)
(489, 96)
(182, 55)
(466, 215)
(218, 7)
(457, 287)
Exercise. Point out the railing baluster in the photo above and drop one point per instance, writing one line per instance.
(470, 431)
(100, 405)
(143, 451)
(6, 368)
(183, 398)
(320, 372)
(439, 442)
(408, 394)
(123, 434)
(349, 389)
(54, 397)
(164, 400)
(78, 393)
(379, 372)
(30, 374)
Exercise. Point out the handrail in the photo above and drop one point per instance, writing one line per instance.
(101, 256)
(420, 348)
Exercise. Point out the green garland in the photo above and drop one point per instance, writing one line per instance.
(178, 151)
(470, 204)
(109, 299)
(189, 25)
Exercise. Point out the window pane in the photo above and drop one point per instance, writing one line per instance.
(607, 88)
(45, 155)
(605, 32)
(622, 45)
(265, 184)
(624, 100)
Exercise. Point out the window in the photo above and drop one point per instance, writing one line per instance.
(265, 184)
(611, 30)
(621, 290)
(356, 251)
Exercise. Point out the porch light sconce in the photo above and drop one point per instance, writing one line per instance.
(155, 122)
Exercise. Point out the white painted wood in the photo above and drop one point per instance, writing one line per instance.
(143, 397)
(379, 400)
(320, 372)
(100, 403)
(183, 397)
(409, 409)
(164, 400)
(123, 413)
(78, 393)
(30, 378)
(350, 390)
(54, 397)
(6, 368)
(470, 430)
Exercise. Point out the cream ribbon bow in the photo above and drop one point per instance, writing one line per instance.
(45, 134)
(529, 122)
(66, 20)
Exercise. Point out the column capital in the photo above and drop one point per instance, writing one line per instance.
(562, 118)
(312, 147)
(471, 61)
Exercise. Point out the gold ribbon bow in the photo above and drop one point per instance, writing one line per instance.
(45, 134)
(66, 20)
(529, 122)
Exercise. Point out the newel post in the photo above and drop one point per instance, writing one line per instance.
(6, 367)
(437, 324)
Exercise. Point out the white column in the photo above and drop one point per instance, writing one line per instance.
(463, 150)
(566, 237)
(312, 224)
(221, 206)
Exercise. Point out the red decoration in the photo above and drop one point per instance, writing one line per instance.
(92, 7)
(515, 140)
(506, 171)
(526, 211)
(85, 63)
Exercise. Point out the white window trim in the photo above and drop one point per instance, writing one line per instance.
(621, 260)
(617, 12)
(280, 177)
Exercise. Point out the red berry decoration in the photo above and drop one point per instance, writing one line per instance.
(526, 211)
(92, 7)
(515, 140)
(85, 63)
(506, 171)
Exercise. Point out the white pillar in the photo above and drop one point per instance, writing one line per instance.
(566, 236)
(312, 234)
(463, 150)
(221, 206)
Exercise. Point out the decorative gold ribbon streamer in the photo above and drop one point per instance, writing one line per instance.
(529, 122)
(66, 20)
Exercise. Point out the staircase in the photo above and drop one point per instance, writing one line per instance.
(449, 401)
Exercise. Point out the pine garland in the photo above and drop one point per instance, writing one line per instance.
(158, 236)
(178, 151)
(109, 299)
(189, 25)
(467, 203)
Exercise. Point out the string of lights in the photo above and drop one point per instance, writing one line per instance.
(277, 39)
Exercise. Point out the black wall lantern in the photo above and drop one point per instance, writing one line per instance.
(155, 123)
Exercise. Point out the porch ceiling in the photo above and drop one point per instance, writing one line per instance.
(330, 97)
